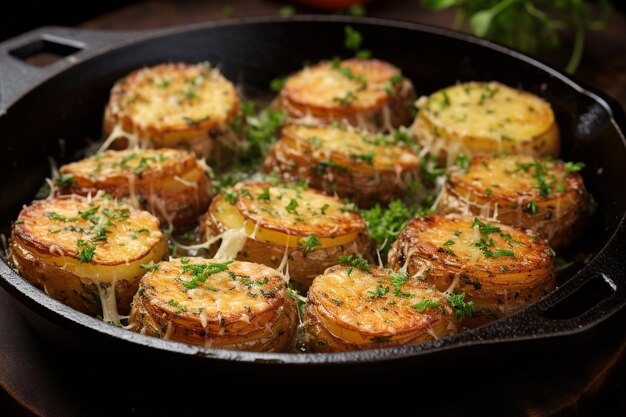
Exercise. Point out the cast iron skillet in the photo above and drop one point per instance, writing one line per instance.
(56, 111)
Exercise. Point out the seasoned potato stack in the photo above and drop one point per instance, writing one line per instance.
(230, 305)
(174, 105)
(170, 183)
(483, 119)
(354, 164)
(88, 254)
(500, 268)
(366, 93)
(545, 196)
(352, 308)
(269, 224)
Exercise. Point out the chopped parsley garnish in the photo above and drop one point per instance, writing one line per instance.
(324, 208)
(87, 214)
(357, 262)
(292, 207)
(151, 266)
(426, 303)
(163, 83)
(66, 180)
(367, 157)
(461, 307)
(448, 243)
(56, 216)
(485, 228)
(277, 84)
(353, 39)
(264, 195)
(231, 196)
(379, 292)
(476, 284)
(310, 242)
(463, 162)
(200, 272)
(532, 206)
(194, 122)
(345, 100)
(397, 279)
(574, 166)
(86, 253)
(385, 224)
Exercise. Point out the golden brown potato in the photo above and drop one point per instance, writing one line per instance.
(367, 93)
(270, 224)
(500, 268)
(174, 105)
(545, 196)
(86, 253)
(353, 164)
(230, 305)
(366, 307)
(169, 183)
(484, 119)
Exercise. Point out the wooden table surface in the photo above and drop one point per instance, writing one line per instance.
(603, 65)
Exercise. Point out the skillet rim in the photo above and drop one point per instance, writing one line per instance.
(43, 305)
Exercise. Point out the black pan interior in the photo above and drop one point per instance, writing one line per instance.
(60, 117)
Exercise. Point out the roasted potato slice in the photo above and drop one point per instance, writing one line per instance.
(267, 223)
(545, 196)
(230, 305)
(355, 164)
(500, 268)
(86, 253)
(369, 307)
(483, 119)
(367, 93)
(170, 183)
(174, 105)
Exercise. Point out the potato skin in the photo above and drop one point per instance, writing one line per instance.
(164, 308)
(161, 108)
(381, 102)
(343, 316)
(479, 118)
(514, 196)
(303, 267)
(498, 286)
(362, 182)
(173, 185)
(27, 252)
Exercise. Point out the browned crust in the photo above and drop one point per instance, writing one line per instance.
(491, 295)
(28, 239)
(276, 334)
(303, 267)
(353, 222)
(513, 205)
(398, 104)
(67, 287)
(118, 92)
(364, 188)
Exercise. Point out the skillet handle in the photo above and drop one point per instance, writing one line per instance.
(589, 298)
(17, 76)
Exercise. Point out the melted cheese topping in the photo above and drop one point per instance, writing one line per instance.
(350, 148)
(513, 178)
(175, 97)
(359, 306)
(489, 110)
(68, 226)
(241, 291)
(128, 162)
(296, 211)
(324, 85)
(456, 240)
